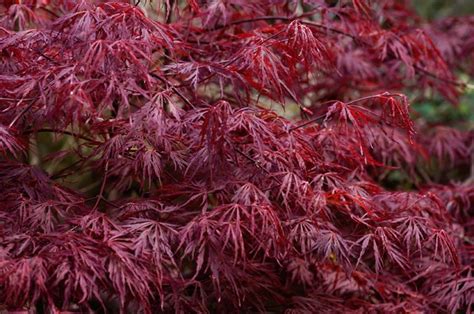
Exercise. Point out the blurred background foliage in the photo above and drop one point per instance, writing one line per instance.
(437, 111)
(432, 9)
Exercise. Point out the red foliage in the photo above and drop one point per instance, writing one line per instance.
(205, 199)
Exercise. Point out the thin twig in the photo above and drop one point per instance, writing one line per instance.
(65, 132)
(102, 187)
(173, 88)
(20, 114)
(303, 124)
(453, 82)
(287, 19)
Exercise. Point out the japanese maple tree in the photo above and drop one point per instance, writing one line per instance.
(232, 156)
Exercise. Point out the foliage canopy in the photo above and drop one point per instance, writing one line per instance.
(233, 156)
